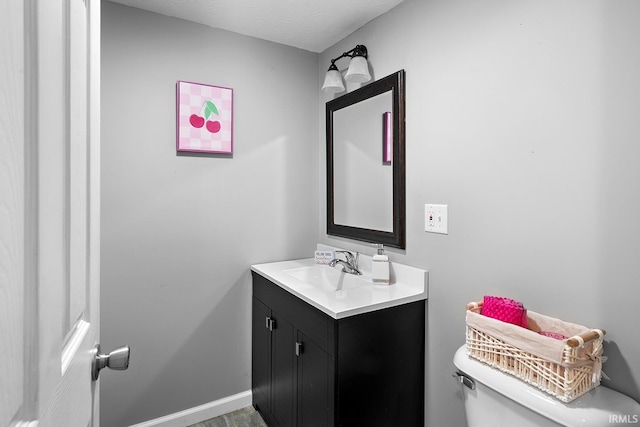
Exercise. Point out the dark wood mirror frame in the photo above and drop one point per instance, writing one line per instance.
(395, 238)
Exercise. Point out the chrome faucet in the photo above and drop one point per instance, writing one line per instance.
(349, 264)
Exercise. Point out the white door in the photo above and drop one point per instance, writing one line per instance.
(49, 211)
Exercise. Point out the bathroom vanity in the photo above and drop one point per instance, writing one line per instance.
(332, 349)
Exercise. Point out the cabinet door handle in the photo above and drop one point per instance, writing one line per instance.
(270, 323)
(299, 348)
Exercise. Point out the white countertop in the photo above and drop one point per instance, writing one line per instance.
(409, 284)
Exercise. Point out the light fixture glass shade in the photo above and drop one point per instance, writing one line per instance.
(358, 71)
(333, 82)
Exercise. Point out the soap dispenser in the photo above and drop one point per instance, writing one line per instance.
(380, 267)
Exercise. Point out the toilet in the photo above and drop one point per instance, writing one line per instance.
(495, 399)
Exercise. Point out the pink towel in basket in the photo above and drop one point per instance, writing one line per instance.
(505, 309)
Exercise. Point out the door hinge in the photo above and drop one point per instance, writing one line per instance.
(299, 348)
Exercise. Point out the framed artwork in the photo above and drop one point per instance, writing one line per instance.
(204, 118)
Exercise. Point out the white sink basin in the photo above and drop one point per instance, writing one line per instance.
(327, 278)
(341, 294)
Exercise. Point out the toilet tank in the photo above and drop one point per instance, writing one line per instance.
(501, 400)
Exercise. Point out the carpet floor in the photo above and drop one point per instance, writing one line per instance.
(245, 417)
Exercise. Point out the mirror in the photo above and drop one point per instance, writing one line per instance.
(366, 163)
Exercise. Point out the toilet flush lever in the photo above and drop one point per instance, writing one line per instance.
(464, 379)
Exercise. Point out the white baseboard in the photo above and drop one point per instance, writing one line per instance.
(202, 412)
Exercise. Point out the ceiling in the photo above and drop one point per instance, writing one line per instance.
(312, 25)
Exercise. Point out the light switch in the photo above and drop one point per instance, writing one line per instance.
(435, 219)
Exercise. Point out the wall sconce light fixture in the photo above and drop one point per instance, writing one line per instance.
(358, 71)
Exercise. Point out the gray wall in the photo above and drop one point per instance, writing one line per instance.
(179, 232)
(523, 117)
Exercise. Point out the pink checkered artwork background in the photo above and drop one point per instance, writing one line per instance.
(195, 131)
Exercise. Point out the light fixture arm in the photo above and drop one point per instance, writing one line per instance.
(359, 50)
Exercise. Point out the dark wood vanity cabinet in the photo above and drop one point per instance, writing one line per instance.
(311, 370)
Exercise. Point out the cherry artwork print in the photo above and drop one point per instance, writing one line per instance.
(204, 118)
(208, 108)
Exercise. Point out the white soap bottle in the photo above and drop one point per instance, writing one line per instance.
(380, 267)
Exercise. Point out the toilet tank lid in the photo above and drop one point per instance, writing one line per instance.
(600, 406)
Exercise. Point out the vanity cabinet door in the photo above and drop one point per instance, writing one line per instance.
(315, 384)
(283, 373)
(300, 373)
(261, 355)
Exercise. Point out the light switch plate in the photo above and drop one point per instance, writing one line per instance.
(436, 219)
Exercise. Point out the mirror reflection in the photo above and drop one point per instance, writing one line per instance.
(366, 198)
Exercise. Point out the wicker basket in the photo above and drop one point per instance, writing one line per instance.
(565, 369)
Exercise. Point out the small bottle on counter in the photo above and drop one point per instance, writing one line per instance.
(380, 267)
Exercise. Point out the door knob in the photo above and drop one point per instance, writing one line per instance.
(118, 359)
